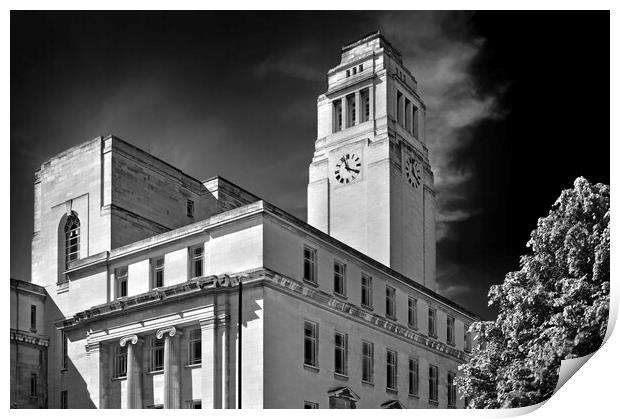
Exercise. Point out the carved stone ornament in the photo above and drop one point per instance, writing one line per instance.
(133, 339)
(169, 330)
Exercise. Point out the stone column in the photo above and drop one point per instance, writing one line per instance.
(358, 108)
(209, 370)
(134, 370)
(345, 112)
(172, 376)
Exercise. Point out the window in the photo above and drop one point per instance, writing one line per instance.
(311, 338)
(190, 208)
(310, 405)
(120, 361)
(157, 354)
(432, 322)
(72, 239)
(414, 376)
(365, 104)
(40, 358)
(65, 351)
(466, 338)
(366, 291)
(194, 404)
(33, 317)
(450, 330)
(197, 257)
(390, 309)
(340, 353)
(354, 70)
(414, 121)
(64, 399)
(121, 282)
(433, 374)
(340, 278)
(368, 361)
(348, 73)
(408, 116)
(310, 264)
(195, 346)
(361, 67)
(451, 390)
(399, 107)
(33, 385)
(391, 370)
(337, 115)
(412, 312)
(157, 265)
(350, 101)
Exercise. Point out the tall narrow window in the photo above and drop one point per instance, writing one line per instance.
(450, 330)
(195, 346)
(72, 239)
(121, 281)
(365, 104)
(33, 317)
(33, 385)
(414, 376)
(412, 312)
(64, 399)
(399, 107)
(311, 338)
(157, 354)
(391, 370)
(340, 280)
(451, 389)
(415, 121)
(366, 291)
(157, 265)
(466, 338)
(120, 361)
(197, 259)
(350, 101)
(390, 303)
(408, 116)
(337, 106)
(368, 361)
(432, 322)
(65, 351)
(340, 353)
(190, 208)
(433, 377)
(361, 67)
(309, 264)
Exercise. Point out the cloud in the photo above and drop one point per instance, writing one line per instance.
(440, 49)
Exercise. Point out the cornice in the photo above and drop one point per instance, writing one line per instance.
(19, 336)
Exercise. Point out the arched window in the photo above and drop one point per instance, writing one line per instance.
(72, 238)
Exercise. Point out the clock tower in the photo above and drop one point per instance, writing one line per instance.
(370, 183)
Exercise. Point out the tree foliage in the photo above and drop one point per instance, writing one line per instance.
(555, 307)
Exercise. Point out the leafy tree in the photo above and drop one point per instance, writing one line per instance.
(555, 307)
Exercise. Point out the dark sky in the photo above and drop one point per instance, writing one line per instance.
(518, 108)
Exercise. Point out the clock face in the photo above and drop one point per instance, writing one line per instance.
(413, 172)
(348, 168)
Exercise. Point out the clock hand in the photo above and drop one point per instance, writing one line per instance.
(353, 170)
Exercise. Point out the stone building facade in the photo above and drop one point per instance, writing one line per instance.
(28, 346)
(167, 292)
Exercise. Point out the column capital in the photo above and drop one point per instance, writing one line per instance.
(171, 331)
(133, 339)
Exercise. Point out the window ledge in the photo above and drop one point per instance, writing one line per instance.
(433, 402)
(392, 318)
(415, 396)
(63, 370)
(451, 344)
(156, 372)
(368, 383)
(391, 390)
(311, 368)
(413, 327)
(340, 296)
(341, 377)
(312, 284)
(432, 336)
(119, 378)
(365, 307)
(194, 365)
(33, 330)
